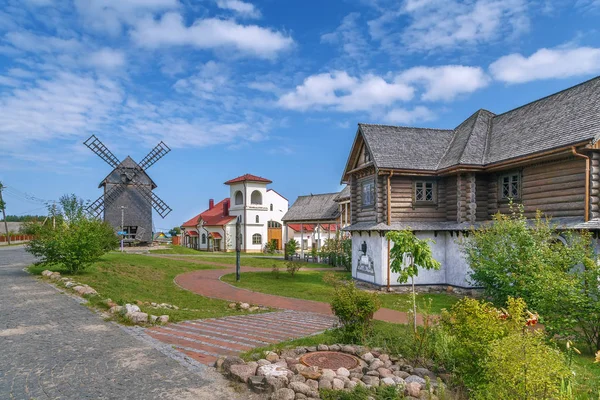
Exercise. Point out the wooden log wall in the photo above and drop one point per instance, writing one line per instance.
(556, 188)
(451, 198)
(470, 198)
(380, 195)
(595, 185)
(402, 202)
(482, 182)
(358, 213)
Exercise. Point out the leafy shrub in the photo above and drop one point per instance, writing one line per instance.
(291, 247)
(355, 309)
(271, 246)
(275, 271)
(293, 267)
(364, 393)
(523, 366)
(339, 251)
(75, 242)
(512, 258)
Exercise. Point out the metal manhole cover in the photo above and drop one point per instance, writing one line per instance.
(329, 359)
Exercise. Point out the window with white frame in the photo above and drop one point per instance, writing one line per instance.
(425, 191)
(256, 197)
(510, 186)
(257, 238)
(368, 193)
(204, 238)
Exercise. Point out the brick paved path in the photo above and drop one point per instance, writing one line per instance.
(207, 283)
(53, 348)
(205, 340)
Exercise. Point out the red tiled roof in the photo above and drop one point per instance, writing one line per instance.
(215, 235)
(249, 178)
(307, 227)
(212, 217)
(192, 233)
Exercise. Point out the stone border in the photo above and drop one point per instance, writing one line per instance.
(284, 377)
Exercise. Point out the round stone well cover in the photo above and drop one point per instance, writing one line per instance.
(329, 359)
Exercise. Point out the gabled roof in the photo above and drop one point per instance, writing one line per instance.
(212, 217)
(277, 193)
(248, 178)
(343, 195)
(126, 164)
(566, 118)
(313, 208)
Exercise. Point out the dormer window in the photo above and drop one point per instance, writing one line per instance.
(510, 186)
(425, 192)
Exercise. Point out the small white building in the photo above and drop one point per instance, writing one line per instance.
(260, 210)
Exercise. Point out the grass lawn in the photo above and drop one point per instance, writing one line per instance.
(175, 250)
(309, 285)
(248, 260)
(126, 278)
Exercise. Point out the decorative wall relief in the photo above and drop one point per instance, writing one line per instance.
(365, 263)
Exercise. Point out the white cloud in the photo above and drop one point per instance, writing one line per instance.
(342, 92)
(242, 8)
(408, 117)
(211, 77)
(33, 43)
(350, 37)
(65, 106)
(110, 15)
(445, 82)
(266, 87)
(447, 24)
(547, 64)
(107, 58)
(210, 33)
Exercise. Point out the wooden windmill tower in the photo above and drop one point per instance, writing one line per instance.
(128, 197)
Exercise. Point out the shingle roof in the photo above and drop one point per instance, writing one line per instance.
(344, 194)
(318, 207)
(562, 119)
(248, 178)
(399, 147)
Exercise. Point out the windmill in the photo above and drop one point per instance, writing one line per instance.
(128, 197)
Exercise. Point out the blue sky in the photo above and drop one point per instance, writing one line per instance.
(272, 88)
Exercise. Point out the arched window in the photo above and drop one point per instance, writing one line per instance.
(204, 238)
(257, 219)
(256, 197)
(239, 198)
(271, 207)
(256, 238)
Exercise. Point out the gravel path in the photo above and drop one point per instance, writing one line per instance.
(54, 348)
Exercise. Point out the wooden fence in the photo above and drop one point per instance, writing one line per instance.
(15, 238)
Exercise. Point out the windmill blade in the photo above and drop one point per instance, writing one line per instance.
(155, 154)
(96, 208)
(94, 144)
(157, 203)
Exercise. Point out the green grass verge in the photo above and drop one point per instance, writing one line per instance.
(309, 285)
(126, 278)
(175, 250)
(248, 260)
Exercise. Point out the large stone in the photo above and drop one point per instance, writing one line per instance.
(257, 383)
(328, 373)
(271, 356)
(55, 276)
(370, 380)
(276, 382)
(350, 385)
(343, 372)
(300, 387)
(284, 394)
(272, 370)
(384, 372)
(310, 374)
(116, 309)
(384, 357)
(262, 362)
(349, 349)
(387, 382)
(335, 347)
(231, 360)
(314, 385)
(323, 347)
(337, 384)
(376, 364)
(137, 317)
(242, 372)
(415, 378)
(300, 396)
(46, 272)
(368, 357)
(85, 290)
(163, 319)
(298, 378)
(131, 308)
(413, 389)
(401, 374)
(325, 383)
(244, 306)
(423, 372)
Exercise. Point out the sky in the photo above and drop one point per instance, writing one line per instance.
(274, 88)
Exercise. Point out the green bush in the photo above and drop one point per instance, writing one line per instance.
(339, 252)
(364, 393)
(271, 246)
(293, 267)
(355, 309)
(523, 366)
(512, 257)
(291, 247)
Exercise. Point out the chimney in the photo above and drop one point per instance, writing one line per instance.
(211, 204)
(226, 208)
